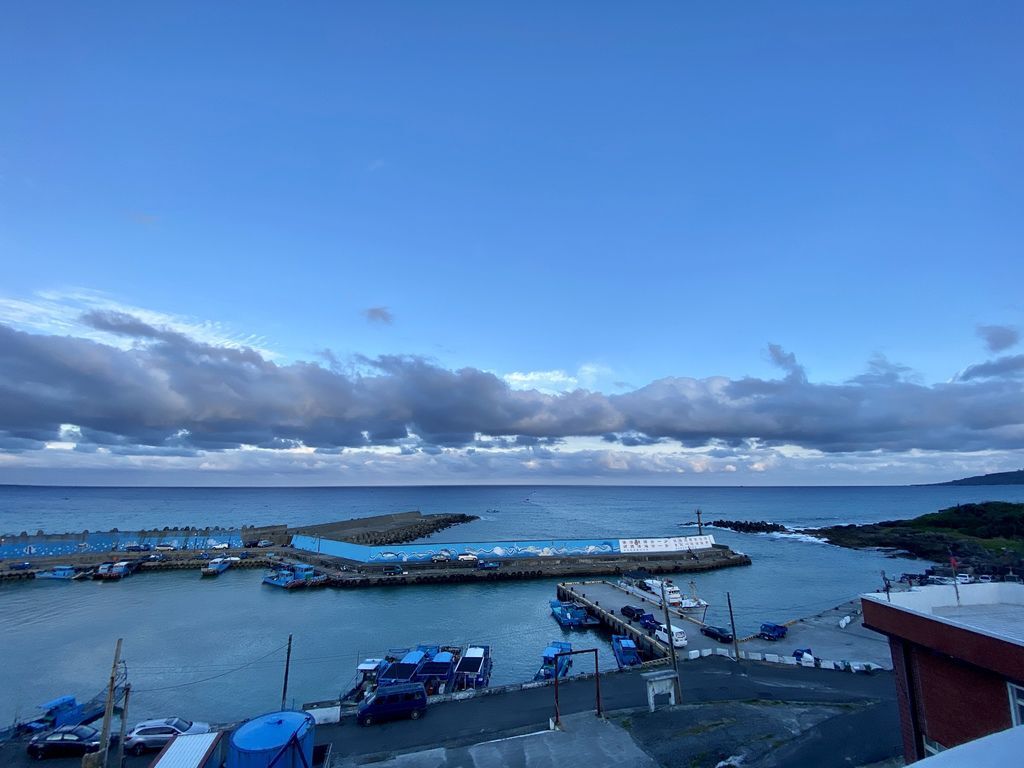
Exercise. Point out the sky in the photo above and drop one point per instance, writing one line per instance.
(408, 243)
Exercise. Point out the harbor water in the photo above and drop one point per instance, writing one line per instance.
(213, 649)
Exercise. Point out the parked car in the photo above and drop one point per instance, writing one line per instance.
(221, 545)
(166, 547)
(468, 558)
(488, 565)
(391, 702)
(66, 741)
(250, 543)
(678, 635)
(439, 558)
(393, 570)
(647, 621)
(20, 566)
(721, 634)
(157, 556)
(137, 548)
(771, 631)
(264, 543)
(153, 734)
(985, 579)
(631, 612)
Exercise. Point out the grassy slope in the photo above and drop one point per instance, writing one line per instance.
(989, 533)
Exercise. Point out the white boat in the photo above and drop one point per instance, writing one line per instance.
(691, 603)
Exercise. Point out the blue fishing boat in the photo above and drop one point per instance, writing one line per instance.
(58, 572)
(626, 652)
(215, 567)
(294, 576)
(572, 616)
(473, 670)
(112, 571)
(403, 670)
(438, 673)
(550, 668)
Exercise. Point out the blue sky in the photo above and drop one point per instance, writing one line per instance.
(592, 195)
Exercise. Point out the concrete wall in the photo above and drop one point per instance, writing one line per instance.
(490, 550)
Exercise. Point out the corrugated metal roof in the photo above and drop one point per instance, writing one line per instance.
(186, 751)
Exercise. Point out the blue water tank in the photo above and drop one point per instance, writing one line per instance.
(277, 740)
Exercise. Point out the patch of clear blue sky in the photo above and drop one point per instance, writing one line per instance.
(662, 188)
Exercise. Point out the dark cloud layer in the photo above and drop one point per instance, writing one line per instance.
(171, 395)
(998, 337)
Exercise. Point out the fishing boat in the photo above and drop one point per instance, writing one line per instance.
(626, 652)
(215, 567)
(438, 673)
(552, 666)
(641, 585)
(572, 616)
(691, 603)
(365, 680)
(294, 576)
(112, 571)
(58, 573)
(473, 669)
(403, 670)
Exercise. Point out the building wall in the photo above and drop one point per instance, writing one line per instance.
(958, 702)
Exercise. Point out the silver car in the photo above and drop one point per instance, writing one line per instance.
(153, 734)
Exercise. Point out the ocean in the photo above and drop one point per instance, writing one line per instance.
(214, 649)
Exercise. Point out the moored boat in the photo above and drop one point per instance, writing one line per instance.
(572, 616)
(438, 673)
(58, 573)
(294, 576)
(215, 567)
(403, 670)
(112, 571)
(552, 665)
(626, 652)
(691, 603)
(473, 669)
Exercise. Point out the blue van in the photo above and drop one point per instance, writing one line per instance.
(390, 702)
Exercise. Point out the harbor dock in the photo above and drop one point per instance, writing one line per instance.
(364, 552)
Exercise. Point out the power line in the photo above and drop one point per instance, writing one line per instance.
(213, 677)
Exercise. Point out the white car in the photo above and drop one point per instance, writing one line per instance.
(154, 734)
(222, 545)
(468, 558)
(678, 636)
(166, 547)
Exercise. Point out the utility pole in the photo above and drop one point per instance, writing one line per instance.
(287, 666)
(671, 641)
(124, 724)
(108, 712)
(732, 621)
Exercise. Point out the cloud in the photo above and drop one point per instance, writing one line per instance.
(66, 312)
(168, 393)
(381, 315)
(998, 337)
(1001, 367)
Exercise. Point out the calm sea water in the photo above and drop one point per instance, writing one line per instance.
(186, 640)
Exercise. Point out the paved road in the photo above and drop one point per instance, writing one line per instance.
(487, 717)
(712, 679)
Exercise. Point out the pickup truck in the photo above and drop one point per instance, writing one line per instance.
(771, 631)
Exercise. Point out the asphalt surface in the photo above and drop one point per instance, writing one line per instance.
(713, 679)
(460, 723)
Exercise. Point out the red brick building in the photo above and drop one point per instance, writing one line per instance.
(959, 667)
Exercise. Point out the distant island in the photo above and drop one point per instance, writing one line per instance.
(995, 478)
